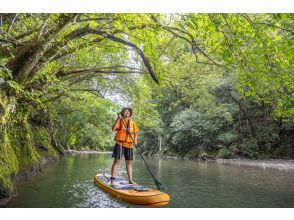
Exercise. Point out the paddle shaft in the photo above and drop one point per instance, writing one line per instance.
(139, 150)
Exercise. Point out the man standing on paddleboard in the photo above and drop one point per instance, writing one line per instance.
(126, 136)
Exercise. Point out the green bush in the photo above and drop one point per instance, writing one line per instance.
(225, 153)
(227, 138)
(195, 130)
(249, 149)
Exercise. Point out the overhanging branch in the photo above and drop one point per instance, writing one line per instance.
(109, 70)
(132, 45)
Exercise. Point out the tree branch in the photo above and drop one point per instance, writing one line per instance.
(192, 40)
(276, 26)
(92, 91)
(108, 70)
(95, 19)
(10, 26)
(30, 63)
(130, 44)
(42, 28)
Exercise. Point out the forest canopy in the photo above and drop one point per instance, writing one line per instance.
(220, 84)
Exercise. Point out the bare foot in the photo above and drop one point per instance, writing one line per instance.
(132, 182)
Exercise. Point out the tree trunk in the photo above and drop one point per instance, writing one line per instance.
(250, 123)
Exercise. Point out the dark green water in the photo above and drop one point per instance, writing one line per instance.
(69, 183)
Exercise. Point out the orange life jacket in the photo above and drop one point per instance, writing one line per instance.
(122, 135)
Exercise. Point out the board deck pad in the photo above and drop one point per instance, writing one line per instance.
(122, 184)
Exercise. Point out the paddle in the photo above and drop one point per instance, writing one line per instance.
(158, 185)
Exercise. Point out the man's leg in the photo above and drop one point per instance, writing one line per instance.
(114, 169)
(129, 169)
(117, 155)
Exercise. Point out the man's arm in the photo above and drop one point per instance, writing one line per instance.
(135, 138)
(136, 129)
(116, 124)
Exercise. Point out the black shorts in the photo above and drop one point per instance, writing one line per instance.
(119, 151)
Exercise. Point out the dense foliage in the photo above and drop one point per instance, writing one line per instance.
(220, 84)
(228, 86)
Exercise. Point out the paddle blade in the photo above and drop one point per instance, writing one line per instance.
(159, 186)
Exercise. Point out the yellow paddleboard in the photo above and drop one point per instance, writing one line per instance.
(131, 193)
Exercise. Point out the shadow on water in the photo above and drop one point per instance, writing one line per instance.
(69, 183)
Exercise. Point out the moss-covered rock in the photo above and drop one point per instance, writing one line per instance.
(8, 165)
(8, 159)
(24, 145)
(21, 148)
(42, 142)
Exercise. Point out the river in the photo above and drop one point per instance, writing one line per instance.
(69, 183)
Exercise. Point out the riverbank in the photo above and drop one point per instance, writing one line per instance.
(270, 163)
(273, 163)
(72, 152)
